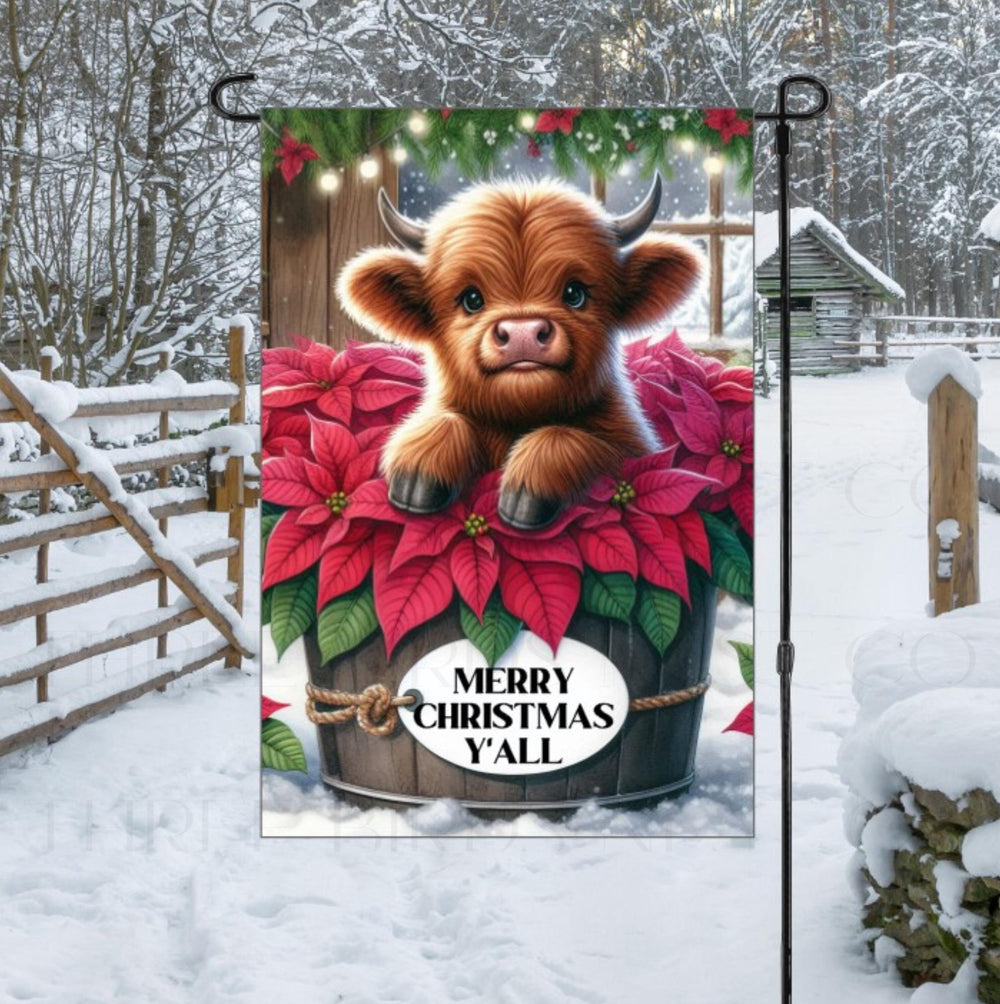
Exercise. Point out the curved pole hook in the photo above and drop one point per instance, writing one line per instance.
(215, 97)
(784, 115)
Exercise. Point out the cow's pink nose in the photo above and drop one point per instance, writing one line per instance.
(523, 339)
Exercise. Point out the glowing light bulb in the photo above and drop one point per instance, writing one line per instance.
(399, 154)
(625, 171)
(417, 124)
(526, 121)
(686, 145)
(329, 181)
(713, 165)
(368, 168)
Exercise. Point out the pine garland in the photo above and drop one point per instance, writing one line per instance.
(601, 140)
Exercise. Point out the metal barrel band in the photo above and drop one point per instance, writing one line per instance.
(374, 708)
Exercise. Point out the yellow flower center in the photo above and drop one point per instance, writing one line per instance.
(731, 449)
(337, 503)
(476, 525)
(624, 493)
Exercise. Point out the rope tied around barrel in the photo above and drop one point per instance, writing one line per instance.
(670, 698)
(374, 708)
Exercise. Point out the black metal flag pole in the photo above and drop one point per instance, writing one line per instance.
(786, 651)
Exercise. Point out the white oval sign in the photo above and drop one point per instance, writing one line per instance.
(533, 714)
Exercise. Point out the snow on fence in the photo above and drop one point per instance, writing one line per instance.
(52, 411)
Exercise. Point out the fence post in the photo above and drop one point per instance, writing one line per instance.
(163, 480)
(234, 479)
(716, 255)
(952, 448)
(882, 341)
(42, 567)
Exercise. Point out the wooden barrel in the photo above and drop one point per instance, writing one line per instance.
(651, 758)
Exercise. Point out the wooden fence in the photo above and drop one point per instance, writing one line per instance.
(892, 338)
(146, 516)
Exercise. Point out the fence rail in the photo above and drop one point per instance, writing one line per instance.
(892, 338)
(64, 461)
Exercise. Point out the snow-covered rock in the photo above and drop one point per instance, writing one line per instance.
(922, 767)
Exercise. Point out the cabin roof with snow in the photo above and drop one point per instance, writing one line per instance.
(990, 227)
(844, 263)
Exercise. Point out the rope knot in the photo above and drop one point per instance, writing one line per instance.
(375, 711)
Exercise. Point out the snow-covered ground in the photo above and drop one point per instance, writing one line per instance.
(131, 869)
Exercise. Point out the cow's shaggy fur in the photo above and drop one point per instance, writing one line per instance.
(554, 421)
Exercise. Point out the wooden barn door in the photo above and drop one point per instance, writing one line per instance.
(307, 236)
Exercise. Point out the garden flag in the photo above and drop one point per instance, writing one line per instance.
(508, 463)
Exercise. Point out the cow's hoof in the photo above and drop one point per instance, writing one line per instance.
(524, 511)
(419, 493)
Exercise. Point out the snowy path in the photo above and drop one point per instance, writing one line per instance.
(130, 869)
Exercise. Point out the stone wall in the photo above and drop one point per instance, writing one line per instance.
(934, 915)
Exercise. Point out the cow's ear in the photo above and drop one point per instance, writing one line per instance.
(383, 290)
(658, 273)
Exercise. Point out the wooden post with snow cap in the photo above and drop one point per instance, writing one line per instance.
(234, 478)
(948, 381)
(163, 480)
(42, 563)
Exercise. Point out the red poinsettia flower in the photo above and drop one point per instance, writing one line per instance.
(743, 722)
(728, 123)
(538, 571)
(316, 491)
(445, 112)
(654, 499)
(292, 155)
(534, 150)
(363, 386)
(284, 433)
(719, 435)
(268, 707)
(560, 119)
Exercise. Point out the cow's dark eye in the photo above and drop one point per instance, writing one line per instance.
(471, 300)
(575, 294)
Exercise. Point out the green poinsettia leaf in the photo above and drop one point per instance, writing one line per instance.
(293, 609)
(280, 748)
(658, 612)
(744, 652)
(267, 524)
(611, 594)
(344, 623)
(732, 568)
(495, 634)
(265, 606)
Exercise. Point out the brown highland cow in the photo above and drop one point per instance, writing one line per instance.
(515, 293)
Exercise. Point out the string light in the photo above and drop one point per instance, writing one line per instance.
(417, 124)
(526, 121)
(399, 154)
(329, 181)
(712, 165)
(686, 144)
(625, 171)
(368, 168)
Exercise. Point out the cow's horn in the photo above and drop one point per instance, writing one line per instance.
(635, 223)
(409, 233)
